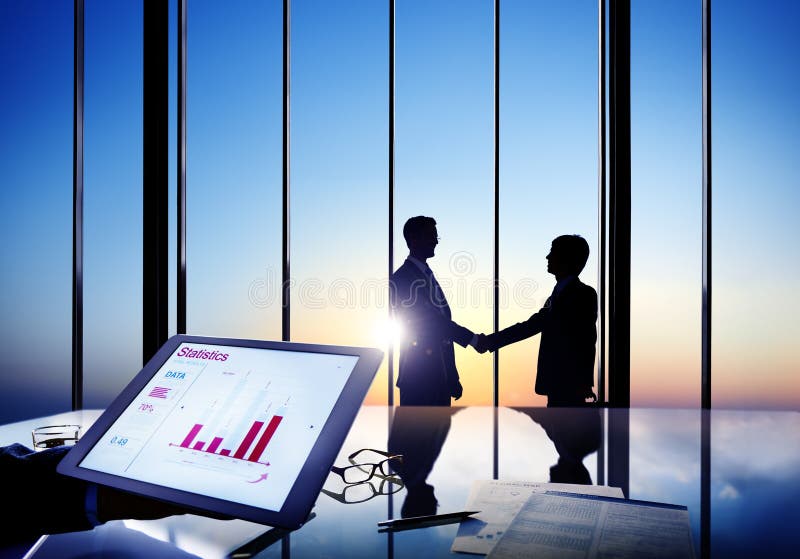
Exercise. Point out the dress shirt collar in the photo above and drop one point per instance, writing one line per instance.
(421, 265)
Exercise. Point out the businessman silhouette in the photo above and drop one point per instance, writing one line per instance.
(565, 371)
(428, 374)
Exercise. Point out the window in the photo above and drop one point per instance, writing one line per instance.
(112, 198)
(233, 175)
(445, 156)
(666, 203)
(36, 170)
(755, 201)
(548, 158)
(339, 179)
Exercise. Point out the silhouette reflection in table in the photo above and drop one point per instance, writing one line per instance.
(576, 433)
(418, 433)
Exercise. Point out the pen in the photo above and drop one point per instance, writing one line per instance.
(419, 521)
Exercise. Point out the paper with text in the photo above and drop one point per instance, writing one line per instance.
(499, 502)
(563, 525)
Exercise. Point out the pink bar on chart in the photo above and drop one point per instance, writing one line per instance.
(198, 445)
(214, 444)
(225, 452)
(192, 434)
(264, 440)
(248, 439)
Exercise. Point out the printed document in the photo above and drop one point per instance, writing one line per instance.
(499, 502)
(564, 525)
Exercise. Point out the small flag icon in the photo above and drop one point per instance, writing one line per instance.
(159, 392)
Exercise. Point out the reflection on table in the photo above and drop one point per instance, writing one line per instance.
(753, 479)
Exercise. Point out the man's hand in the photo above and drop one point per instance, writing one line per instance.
(457, 390)
(481, 345)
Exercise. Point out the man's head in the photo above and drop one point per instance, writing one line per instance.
(421, 236)
(568, 256)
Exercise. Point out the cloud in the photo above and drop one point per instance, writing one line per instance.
(728, 492)
(755, 445)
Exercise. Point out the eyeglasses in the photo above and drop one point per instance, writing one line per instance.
(359, 473)
(364, 491)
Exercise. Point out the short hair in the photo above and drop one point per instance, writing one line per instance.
(416, 225)
(575, 250)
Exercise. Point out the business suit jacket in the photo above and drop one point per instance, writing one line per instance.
(428, 374)
(565, 370)
(39, 499)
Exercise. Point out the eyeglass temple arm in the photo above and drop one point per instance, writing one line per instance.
(381, 452)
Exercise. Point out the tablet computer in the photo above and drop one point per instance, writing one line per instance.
(247, 429)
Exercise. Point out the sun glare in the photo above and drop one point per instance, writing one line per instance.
(388, 331)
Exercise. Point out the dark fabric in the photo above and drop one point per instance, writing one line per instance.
(576, 400)
(567, 322)
(44, 501)
(428, 374)
(418, 434)
(419, 394)
(576, 433)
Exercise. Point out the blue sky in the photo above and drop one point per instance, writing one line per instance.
(444, 110)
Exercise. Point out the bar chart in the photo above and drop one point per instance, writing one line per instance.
(257, 432)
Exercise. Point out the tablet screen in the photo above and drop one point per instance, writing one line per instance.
(229, 422)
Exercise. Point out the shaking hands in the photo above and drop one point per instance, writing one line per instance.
(482, 344)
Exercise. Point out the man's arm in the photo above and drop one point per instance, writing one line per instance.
(520, 331)
(42, 501)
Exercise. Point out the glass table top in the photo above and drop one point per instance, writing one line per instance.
(741, 495)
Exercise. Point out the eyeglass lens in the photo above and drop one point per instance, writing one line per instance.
(363, 472)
